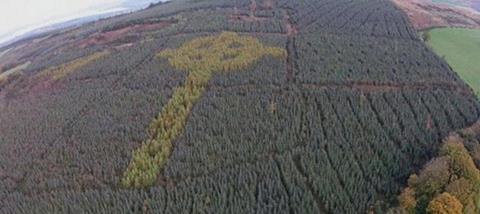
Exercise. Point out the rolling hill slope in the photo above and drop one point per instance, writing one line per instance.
(427, 14)
(339, 103)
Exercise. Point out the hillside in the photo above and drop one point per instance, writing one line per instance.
(473, 4)
(219, 106)
(425, 14)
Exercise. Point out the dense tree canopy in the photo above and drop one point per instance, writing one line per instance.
(245, 106)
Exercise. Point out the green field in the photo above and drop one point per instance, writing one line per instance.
(461, 49)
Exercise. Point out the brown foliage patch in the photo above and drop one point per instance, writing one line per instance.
(114, 35)
(426, 14)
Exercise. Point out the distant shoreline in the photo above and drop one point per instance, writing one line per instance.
(75, 20)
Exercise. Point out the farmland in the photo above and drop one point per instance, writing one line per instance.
(462, 3)
(218, 106)
(461, 49)
(427, 14)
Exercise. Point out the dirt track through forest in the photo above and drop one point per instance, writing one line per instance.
(290, 46)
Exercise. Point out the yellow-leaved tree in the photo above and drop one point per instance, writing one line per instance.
(448, 184)
(201, 58)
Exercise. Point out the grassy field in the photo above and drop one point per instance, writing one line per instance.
(461, 49)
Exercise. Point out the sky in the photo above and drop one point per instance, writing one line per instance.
(21, 16)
